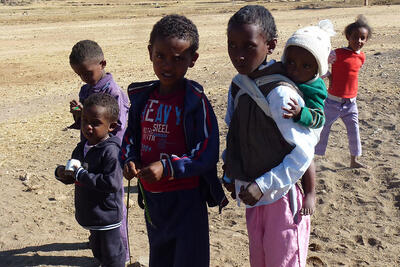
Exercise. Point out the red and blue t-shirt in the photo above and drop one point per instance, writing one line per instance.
(163, 134)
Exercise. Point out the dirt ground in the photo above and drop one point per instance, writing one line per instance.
(357, 218)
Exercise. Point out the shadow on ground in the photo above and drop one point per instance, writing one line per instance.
(35, 256)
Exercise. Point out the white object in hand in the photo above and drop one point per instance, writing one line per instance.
(72, 165)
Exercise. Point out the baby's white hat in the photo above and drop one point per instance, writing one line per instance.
(315, 39)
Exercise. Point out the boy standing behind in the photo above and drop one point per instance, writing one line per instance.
(172, 146)
(87, 60)
(97, 175)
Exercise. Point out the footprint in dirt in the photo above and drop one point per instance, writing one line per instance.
(375, 243)
(390, 127)
(397, 201)
(326, 168)
(365, 123)
(230, 223)
(315, 262)
(339, 165)
(376, 143)
(314, 247)
(394, 184)
(359, 240)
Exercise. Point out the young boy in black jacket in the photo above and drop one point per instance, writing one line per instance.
(97, 175)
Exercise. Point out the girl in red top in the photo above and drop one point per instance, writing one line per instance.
(341, 102)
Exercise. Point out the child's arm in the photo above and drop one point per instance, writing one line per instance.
(228, 183)
(75, 107)
(312, 114)
(308, 179)
(308, 117)
(129, 151)
(312, 118)
(331, 60)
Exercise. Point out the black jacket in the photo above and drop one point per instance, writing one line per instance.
(99, 187)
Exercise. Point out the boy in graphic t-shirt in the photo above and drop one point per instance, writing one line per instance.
(172, 145)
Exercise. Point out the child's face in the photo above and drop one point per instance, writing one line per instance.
(300, 64)
(248, 47)
(171, 59)
(90, 71)
(357, 38)
(95, 124)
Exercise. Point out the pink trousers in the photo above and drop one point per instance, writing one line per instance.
(274, 239)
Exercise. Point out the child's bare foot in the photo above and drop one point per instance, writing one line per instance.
(354, 163)
(308, 204)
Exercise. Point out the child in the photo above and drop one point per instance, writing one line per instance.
(266, 154)
(172, 146)
(342, 93)
(305, 60)
(98, 180)
(87, 60)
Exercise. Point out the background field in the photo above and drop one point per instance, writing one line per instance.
(356, 222)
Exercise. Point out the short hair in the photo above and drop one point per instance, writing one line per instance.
(104, 100)
(85, 50)
(361, 22)
(258, 15)
(176, 26)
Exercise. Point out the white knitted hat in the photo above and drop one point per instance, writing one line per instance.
(315, 39)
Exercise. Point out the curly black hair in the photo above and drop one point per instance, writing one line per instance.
(85, 50)
(361, 22)
(104, 100)
(176, 26)
(258, 15)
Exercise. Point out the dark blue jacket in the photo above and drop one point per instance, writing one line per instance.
(201, 134)
(99, 186)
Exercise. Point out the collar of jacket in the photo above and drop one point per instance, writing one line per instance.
(111, 140)
(193, 93)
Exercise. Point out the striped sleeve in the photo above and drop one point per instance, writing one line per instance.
(311, 117)
(127, 148)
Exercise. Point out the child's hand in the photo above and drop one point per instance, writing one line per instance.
(75, 107)
(228, 183)
(230, 187)
(64, 176)
(223, 204)
(130, 170)
(294, 110)
(251, 195)
(152, 172)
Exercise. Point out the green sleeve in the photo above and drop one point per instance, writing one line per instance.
(311, 118)
(314, 94)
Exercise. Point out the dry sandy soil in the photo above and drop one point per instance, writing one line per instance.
(357, 218)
